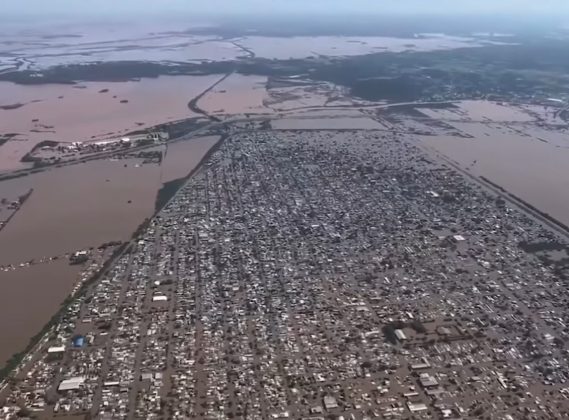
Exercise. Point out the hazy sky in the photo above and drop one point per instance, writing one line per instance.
(280, 6)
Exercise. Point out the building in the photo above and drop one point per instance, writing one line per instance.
(416, 407)
(158, 136)
(79, 257)
(154, 136)
(72, 384)
(400, 335)
(428, 381)
(330, 403)
(55, 352)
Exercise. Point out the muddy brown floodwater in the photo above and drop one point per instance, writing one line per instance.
(28, 299)
(481, 111)
(332, 123)
(73, 208)
(531, 169)
(78, 206)
(184, 156)
(335, 46)
(238, 94)
(80, 113)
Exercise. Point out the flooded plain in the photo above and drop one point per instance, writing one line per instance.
(29, 297)
(338, 46)
(169, 41)
(182, 157)
(481, 111)
(527, 160)
(324, 113)
(66, 113)
(51, 43)
(308, 94)
(238, 94)
(331, 123)
(78, 206)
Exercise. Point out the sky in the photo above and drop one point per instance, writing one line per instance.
(523, 7)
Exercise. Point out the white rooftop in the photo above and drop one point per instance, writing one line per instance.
(71, 383)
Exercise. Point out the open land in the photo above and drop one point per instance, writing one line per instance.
(343, 226)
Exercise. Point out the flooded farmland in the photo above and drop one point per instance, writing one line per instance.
(334, 46)
(182, 157)
(482, 111)
(238, 94)
(90, 110)
(169, 41)
(78, 206)
(307, 95)
(331, 123)
(28, 299)
(511, 150)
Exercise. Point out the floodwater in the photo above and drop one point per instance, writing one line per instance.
(340, 123)
(531, 169)
(336, 46)
(182, 157)
(29, 297)
(547, 114)
(67, 113)
(238, 94)
(325, 113)
(78, 206)
(176, 49)
(73, 208)
(480, 111)
(40, 44)
(302, 96)
(493, 111)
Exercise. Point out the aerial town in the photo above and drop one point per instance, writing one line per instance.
(323, 275)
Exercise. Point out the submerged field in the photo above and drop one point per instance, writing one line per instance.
(89, 111)
(522, 150)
